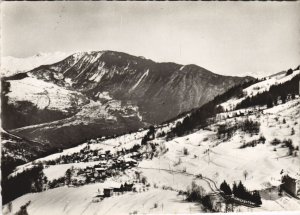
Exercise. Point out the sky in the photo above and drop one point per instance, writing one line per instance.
(230, 38)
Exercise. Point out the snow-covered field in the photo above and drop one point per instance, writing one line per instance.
(56, 171)
(259, 88)
(43, 94)
(66, 200)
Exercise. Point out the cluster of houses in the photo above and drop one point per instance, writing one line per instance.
(113, 190)
(238, 113)
(88, 155)
(119, 189)
(102, 170)
(107, 163)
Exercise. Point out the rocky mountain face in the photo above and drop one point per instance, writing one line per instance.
(160, 90)
(92, 94)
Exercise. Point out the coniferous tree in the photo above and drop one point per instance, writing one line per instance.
(241, 190)
(269, 102)
(234, 189)
(68, 176)
(256, 198)
(225, 188)
(283, 98)
(289, 72)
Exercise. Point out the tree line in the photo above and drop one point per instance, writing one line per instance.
(276, 92)
(240, 191)
(30, 180)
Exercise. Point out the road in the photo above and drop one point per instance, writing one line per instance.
(215, 191)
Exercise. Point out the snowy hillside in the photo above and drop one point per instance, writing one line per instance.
(12, 65)
(260, 87)
(43, 94)
(176, 169)
(255, 147)
(79, 201)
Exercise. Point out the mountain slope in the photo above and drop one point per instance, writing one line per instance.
(93, 94)
(205, 156)
(160, 90)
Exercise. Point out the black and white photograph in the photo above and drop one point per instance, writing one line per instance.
(136, 107)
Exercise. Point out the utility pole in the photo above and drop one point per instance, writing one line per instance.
(171, 172)
(159, 164)
(208, 156)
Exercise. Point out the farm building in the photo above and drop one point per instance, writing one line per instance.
(108, 192)
(291, 185)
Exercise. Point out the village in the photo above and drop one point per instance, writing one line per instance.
(106, 163)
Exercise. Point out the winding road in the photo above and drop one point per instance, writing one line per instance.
(215, 191)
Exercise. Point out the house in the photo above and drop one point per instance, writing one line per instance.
(100, 171)
(102, 156)
(130, 162)
(94, 158)
(135, 155)
(291, 185)
(102, 163)
(92, 141)
(118, 189)
(108, 192)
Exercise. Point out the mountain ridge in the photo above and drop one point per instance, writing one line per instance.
(103, 93)
(118, 72)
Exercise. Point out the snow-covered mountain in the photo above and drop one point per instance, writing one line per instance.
(257, 145)
(13, 65)
(103, 93)
(260, 87)
(153, 87)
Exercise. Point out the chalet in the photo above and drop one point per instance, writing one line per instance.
(94, 158)
(108, 192)
(102, 156)
(130, 162)
(89, 174)
(101, 164)
(89, 170)
(94, 141)
(118, 189)
(291, 185)
(100, 170)
(135, 155)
